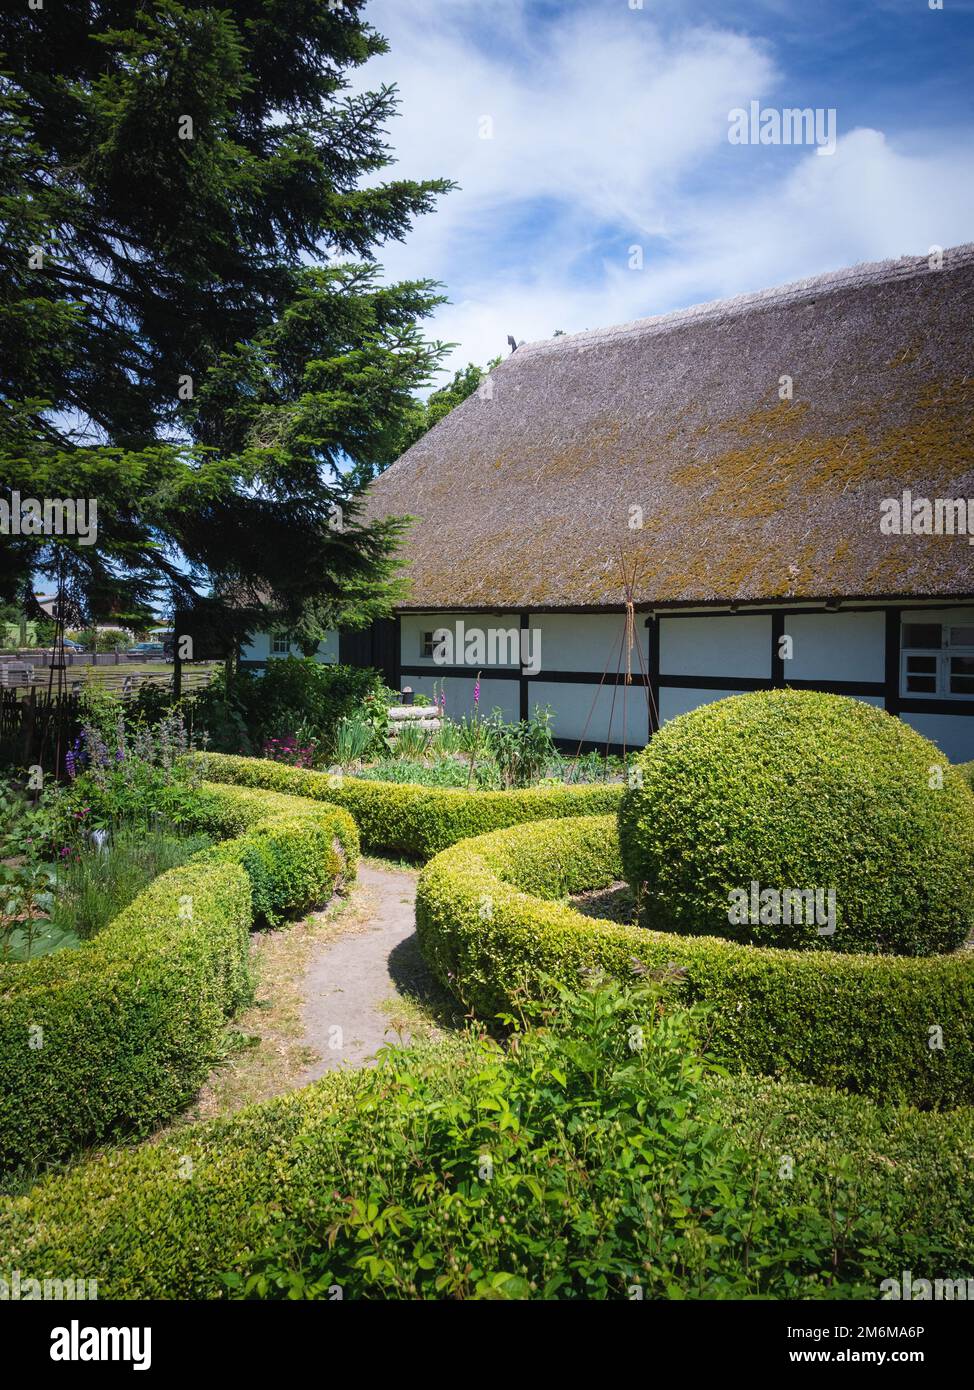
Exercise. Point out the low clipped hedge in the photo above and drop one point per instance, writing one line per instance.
(270, 1202)
(493, 931)
(295, 851)
(404, 818)
(797, 791)
(113, 1037)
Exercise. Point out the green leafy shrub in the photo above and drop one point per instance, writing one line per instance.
(26, 821)
(291, 693)
(493, 929)
(124, 774)
(404, 818)
(115, 1036)
(598, 1159)
(521, 750)
(26, 899)
(797, 791)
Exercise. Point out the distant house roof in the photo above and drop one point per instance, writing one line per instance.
(523, 500)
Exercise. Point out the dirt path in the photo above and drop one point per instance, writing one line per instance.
(330, 990)
(352, 983)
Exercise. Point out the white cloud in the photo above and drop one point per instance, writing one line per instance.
(866, 202)
(609, 130)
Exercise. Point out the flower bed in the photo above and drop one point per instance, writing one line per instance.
(493, 931)
(115, 1036)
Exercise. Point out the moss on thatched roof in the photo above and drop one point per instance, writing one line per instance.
(523, 499)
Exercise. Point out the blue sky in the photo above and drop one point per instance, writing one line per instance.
(609, 129)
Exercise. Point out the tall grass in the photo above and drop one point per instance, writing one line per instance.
(410, 741)
(94, 888)
(447, 739)
(353, 737)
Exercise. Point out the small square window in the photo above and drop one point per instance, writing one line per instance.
(921, 674)
(280, 644)
(426, 645)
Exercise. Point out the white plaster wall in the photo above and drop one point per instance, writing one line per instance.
(587, 641)
(412, 627)
(566, 641)
(836, 646)
(257, 648)
(939, 615)
(952, 733)
(735, 644)
(572, 705)
(675, 700)
(328, 648)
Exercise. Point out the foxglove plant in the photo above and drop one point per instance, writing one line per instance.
(475, 741)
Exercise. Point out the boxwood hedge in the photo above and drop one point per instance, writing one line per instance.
(407, 819)
(116, 1035)
(493, 930)
(782, 792)
(295, 851)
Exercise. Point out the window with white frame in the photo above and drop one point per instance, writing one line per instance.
(937, 660)
(280, 643)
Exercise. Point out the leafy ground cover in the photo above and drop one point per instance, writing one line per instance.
(598, 1156)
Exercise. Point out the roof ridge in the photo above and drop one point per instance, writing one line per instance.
(865, 273)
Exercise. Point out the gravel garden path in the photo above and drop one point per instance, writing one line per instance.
(361, 989)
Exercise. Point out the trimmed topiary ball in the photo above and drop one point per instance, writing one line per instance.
(793, 818)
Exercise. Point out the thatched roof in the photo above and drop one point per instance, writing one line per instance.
(523, 500)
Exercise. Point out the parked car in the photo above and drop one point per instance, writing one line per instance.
(70, 646)
(147, 651)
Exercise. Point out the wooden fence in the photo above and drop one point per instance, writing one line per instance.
(119, 679)
(36, 722)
